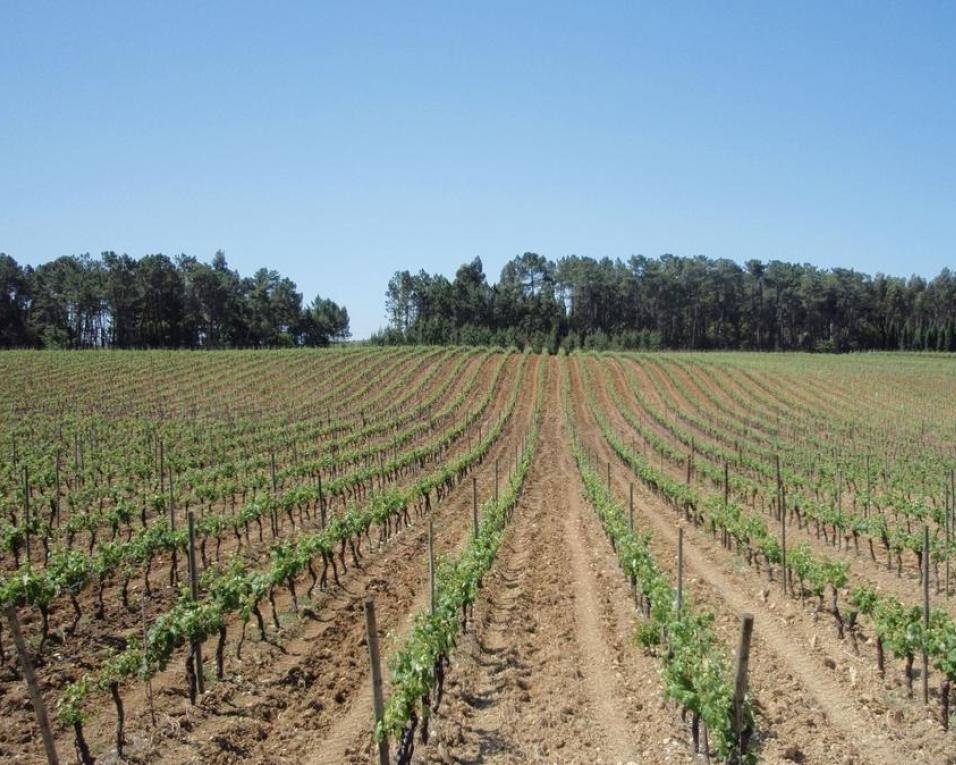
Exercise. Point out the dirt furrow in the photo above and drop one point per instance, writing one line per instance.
(325, 712)
(243, 707)
(550, 672)
(794, 658)
(907, 587)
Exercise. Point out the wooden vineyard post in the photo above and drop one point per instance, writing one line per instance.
(77, 463)
(496, 482)
(43, 722)
(56, 496)
(631, 506)
(431, 565)
(783, 539)
(631, 524)
(609, 476)
(680, 568)
(690, 467)
(172, 503)
(951, 526)
(321, 503)
(950, 501)
(869, 488)
(194, 594)
(839, 499)
(726, 483)
(474, 503)
(273, 512)
(925, 612)
(174, 565)
(740, 679)
(776, 459)
(26, 508)
(378, 702)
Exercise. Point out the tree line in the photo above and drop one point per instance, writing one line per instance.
(672, 302)
(117, 301)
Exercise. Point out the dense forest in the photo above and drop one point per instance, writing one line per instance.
(672, 302)
(116, 301)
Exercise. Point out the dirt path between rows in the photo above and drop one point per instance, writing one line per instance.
(794, 653)
(874, 572)
(550, 672)
(348, 738)
(287, 704)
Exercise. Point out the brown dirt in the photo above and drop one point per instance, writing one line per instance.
(311, 700)
(813, 692)
(178, 721)
(548, 671)
(864, 569)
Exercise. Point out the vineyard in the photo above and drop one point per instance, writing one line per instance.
(557, 559)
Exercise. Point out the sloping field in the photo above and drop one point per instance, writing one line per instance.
(813, 492)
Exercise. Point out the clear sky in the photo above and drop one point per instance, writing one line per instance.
(338, 143)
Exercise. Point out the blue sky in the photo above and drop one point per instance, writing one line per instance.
(340, 142)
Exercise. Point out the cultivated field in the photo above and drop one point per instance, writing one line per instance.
(311, 480)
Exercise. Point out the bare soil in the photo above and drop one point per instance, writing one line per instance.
(549, 670)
